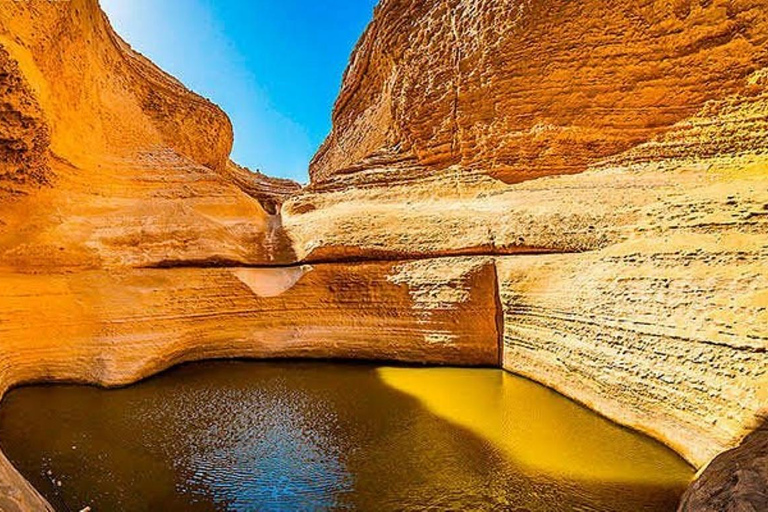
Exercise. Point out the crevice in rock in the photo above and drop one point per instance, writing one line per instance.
(499, 315)
(221, 262)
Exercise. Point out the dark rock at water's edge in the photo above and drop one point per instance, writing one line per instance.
(735, 481)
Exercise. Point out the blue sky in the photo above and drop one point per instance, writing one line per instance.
(274, 66)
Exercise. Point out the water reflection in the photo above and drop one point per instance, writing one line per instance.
(265, 448)
(539, 429)
(323, 436)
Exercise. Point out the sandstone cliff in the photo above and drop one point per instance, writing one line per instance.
(575, 190)
(108, 161)
(654, 309)
(519, 89)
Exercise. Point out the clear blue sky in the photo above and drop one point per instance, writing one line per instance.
(274, 66)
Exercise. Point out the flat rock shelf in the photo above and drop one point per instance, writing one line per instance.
(291, 435)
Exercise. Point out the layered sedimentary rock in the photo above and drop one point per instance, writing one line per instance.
(574, 190)
(521, 88)
(653, 308)
(680, 82)
(115, 327)
(108, 161)
(270, 192)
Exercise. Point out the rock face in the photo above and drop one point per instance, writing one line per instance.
(25, 135)
(574, 190)
(734, 481)
(640, 285)
(111, 162)
(519, 89)
(115, 327)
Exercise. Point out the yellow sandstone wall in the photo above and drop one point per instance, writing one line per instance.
(613, 152)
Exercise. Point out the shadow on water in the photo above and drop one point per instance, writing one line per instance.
(279, 436)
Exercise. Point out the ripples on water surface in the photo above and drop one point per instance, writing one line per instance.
(328, 436)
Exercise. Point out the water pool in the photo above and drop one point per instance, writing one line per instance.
(331, 436)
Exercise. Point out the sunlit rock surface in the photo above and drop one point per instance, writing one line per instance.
(519, 89)
(575, 190)
(654, 310)
(111, 162)
(113, 328)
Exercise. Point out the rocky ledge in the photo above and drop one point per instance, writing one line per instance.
(576, 191)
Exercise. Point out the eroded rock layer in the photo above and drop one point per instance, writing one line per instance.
(111, 162)
(647, 294)
(115, 327)
(688, 365)
(519, 89)
(24, 133)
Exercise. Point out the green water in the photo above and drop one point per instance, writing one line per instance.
(329, 436)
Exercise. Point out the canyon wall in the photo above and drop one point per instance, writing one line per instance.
(576, 190)
(612, 155)
(639, 285)
(111, 162)
(519, 89)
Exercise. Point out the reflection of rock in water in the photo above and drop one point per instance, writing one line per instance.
(538, 429)
(297, 436)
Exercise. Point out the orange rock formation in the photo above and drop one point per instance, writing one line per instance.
(654, 310)
(519, 89)
(576, 190)
(111, 162)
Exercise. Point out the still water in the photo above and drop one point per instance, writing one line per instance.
(329, 436)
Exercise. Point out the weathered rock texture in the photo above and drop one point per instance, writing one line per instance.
(115, 327)
(734, 481)
(520, 89)
(576, 190)
(656, 315)
(653, 309)
(108, 161)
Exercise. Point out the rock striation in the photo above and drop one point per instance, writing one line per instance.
(112, 327)
(617, 149)
(519, 89)
(110, 161)
(574, 190)
(647, 296)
